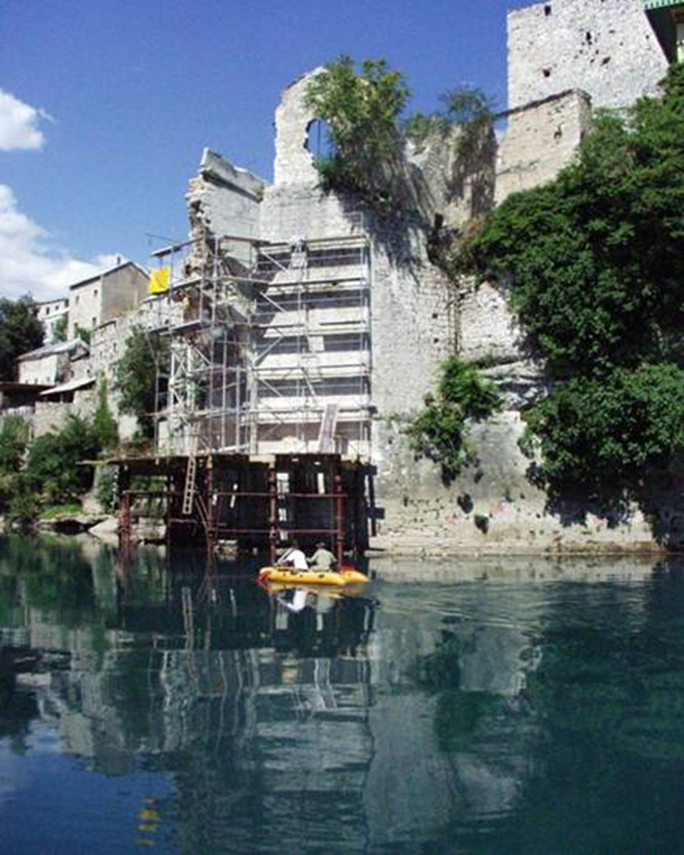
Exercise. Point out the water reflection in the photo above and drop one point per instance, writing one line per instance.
(423, 714)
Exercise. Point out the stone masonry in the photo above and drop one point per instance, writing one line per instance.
(541, 138)
(604, 47)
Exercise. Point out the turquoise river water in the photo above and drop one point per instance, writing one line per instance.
(499, 706)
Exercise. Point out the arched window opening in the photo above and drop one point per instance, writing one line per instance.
(319, 140)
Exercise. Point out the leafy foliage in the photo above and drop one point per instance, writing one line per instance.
(597, 272)
(14, 438)
(104, 425)
(60, 328)
(440, 430)
(20, 332)
(136, 375)
(50, 471)
(52, 467)
(465, 107)
(105, 491)
(84, 334)
(362, 112)
(22, 511)
(596, 260)
(610, 429)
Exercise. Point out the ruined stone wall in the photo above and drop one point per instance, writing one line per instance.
(493, 507)
(541, 139)
(413, 326)
(413, 306)
(49, 416)
(294, 162)
(604, 47)
(305, 211)
(450, 179)
(223, 199)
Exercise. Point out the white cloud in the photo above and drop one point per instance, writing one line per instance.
(19, 124)
(27, 262)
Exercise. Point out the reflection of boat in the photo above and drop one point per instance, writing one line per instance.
(331, 592)
(342, 578)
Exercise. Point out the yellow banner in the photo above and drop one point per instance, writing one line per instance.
(159, 280)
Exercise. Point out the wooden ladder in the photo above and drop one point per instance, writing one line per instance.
(190, 477)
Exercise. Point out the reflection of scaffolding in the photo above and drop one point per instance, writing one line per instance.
(273, 350)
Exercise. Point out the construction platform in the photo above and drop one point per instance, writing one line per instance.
(254, 503)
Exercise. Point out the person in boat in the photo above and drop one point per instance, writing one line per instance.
(293, 557)
(323, 558)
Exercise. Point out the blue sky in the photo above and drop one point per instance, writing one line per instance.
(130, 91)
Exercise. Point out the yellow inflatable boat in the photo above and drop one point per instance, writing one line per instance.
(292, 578)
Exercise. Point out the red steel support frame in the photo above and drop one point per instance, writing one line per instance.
(339, 519)
(211, 519)
(212, 514)
(272, 513)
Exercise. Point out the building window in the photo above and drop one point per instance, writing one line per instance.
(95, 293)
(93, 323)
(76, 299)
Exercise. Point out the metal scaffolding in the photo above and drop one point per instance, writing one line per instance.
(269, 347)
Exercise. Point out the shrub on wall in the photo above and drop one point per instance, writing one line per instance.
(362, 112)
(608, 430)
(441, 429)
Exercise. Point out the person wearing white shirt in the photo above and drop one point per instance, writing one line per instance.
(295, 557)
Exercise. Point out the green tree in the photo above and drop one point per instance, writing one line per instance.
(465, 107)
(22, 511)
(14, 439)
(362, 111)
(105, 489)
(610, 429)
(60, 329)
(54, 467)
(104, 426)
(20, 332)
(84, 334)
(136, 376)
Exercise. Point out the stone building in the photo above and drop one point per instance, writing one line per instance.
(50, 364)
(105, 296)
(50, 312)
